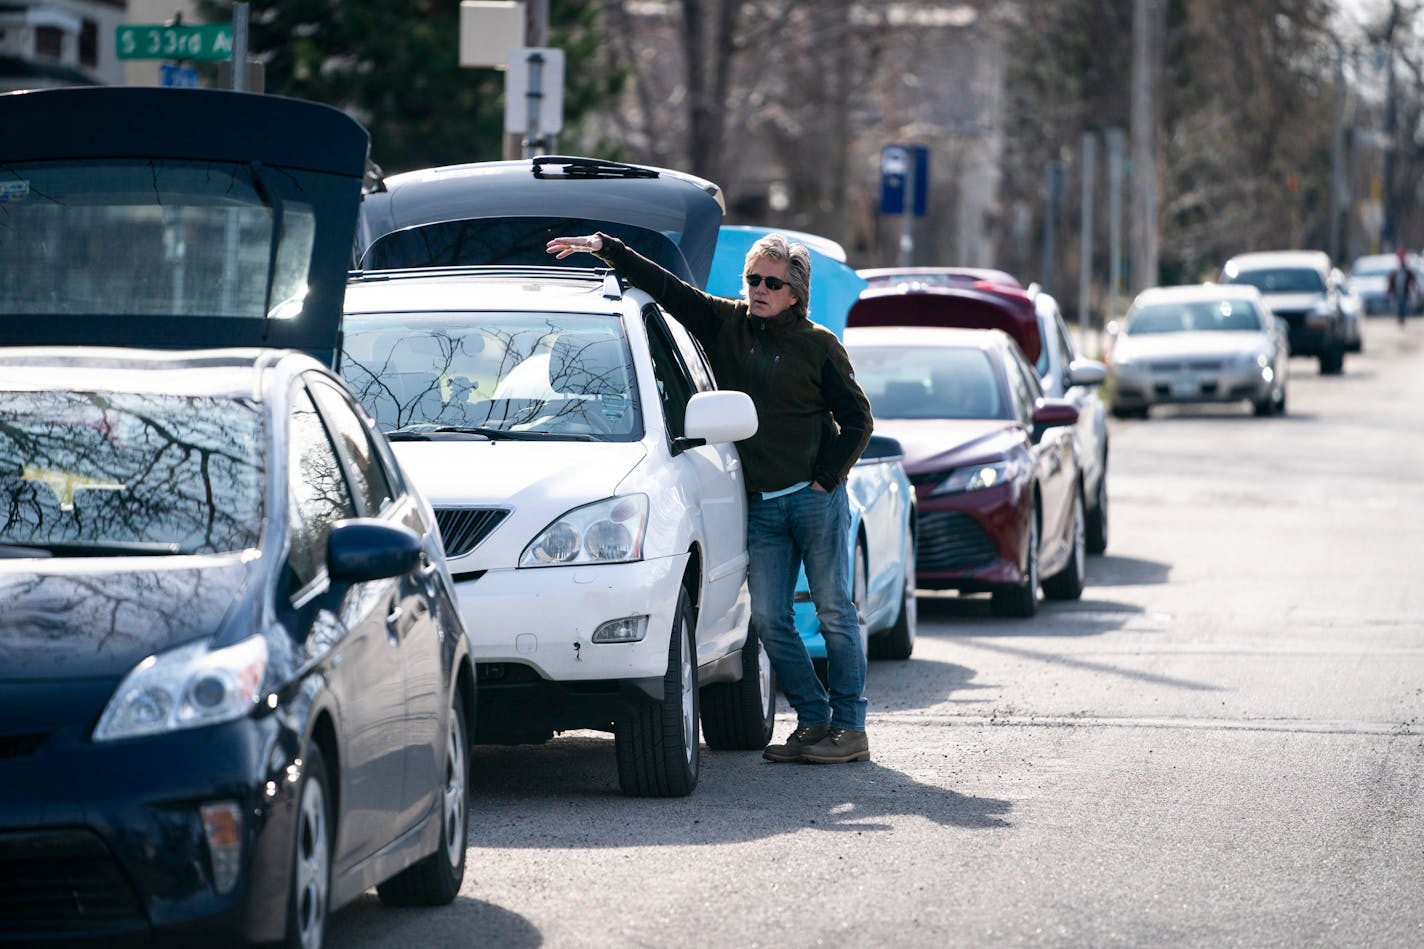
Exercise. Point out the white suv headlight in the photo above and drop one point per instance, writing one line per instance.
(608, 531)
(187, 687)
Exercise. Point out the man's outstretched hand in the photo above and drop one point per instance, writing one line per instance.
(562, 247)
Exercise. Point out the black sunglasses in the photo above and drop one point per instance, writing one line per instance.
(772, 283)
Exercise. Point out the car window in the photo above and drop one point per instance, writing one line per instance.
(364, 466)
(694, 359)
(675, 386)
(1281, 280)
(318, 493)
(940, 382)
(105, 469)
(1025, 386)
(1194, 316)
(533, 375)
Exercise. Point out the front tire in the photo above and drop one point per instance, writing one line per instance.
(436, 879)
(1067, 584)
(309, 900)
(1020, 601)
(656, 744)
(898, 642)
(740, 716)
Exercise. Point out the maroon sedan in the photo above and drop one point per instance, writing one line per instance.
(994, 463)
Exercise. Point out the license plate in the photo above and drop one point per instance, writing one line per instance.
(1185, 388)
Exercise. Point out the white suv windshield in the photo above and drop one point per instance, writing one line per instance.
(511, 375)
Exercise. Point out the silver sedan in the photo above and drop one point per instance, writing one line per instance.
(1194, 344)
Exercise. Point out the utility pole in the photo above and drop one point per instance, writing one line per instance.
(1085, 233)
(1391, 122)
(1145, 52)
(1337, 156)
(536, 35)
(1117, 146)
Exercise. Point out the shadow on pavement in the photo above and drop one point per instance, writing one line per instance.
(465, 922)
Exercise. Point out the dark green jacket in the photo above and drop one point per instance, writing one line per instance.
(814, 421)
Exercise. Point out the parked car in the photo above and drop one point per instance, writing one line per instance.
(1202, 343)
(620, 508)
(974, 278)
(1369, 280)
(1000, 494)
(235, 690)
(1033, 319)
(1302, 288)
(881, 563)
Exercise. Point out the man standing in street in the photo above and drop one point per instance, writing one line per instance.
(1403, 285)
(814, 421)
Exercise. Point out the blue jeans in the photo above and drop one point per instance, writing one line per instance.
(808, 526)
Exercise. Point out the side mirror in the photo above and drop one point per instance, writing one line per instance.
(717, 417)
(367, 549)
(882, 448)
(1052, 413)
(1086, 372)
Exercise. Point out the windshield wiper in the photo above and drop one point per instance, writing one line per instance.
(424, 434)
(95, 548)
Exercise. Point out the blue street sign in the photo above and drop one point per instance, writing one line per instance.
(172, 74)
(897, 164)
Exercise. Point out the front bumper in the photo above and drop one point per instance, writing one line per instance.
(531, 638)
(973, 541)
(1190, 381)
(124, 860)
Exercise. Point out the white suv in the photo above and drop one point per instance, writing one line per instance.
(580, 461)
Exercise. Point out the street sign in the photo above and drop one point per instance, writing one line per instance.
(210, 41)
(176, 76)
(897, 164)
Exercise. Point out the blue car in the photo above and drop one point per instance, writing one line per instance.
(882, 502)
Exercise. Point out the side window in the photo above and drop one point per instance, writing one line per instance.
(1065, 347)
(692, 356)
(369, 480)
(675, 387)
(1025, 386)
(318, 495)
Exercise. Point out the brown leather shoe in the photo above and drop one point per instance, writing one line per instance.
(839, 746)
(798, 741)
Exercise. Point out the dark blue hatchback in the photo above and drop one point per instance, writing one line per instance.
(234, 688)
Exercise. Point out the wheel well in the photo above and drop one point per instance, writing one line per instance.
(692, 578)
(324, 737)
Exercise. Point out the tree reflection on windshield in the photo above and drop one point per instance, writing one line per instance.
(110, 470)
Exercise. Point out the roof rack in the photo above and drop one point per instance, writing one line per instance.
(574, 167)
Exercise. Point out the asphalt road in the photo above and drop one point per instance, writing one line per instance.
(1219, 745)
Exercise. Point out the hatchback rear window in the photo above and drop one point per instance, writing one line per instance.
(1281, 280)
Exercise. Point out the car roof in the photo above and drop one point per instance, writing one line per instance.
(233, 373)
(1191, 292)
(485, 289)
(921, 336)
(276, 138)
(683, 208)
(1261, 260)
(1002, 308)
(908, 274)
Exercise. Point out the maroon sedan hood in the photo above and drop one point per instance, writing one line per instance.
(938, 444)
(1002, 308)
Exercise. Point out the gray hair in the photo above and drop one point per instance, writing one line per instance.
(798, 273)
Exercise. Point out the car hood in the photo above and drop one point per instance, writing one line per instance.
(940, 444)
(1292, 302)
(291, 169)
(96, 619)
(505, 212)
(1186, 345)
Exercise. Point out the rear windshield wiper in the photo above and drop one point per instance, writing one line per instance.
(96, 548)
